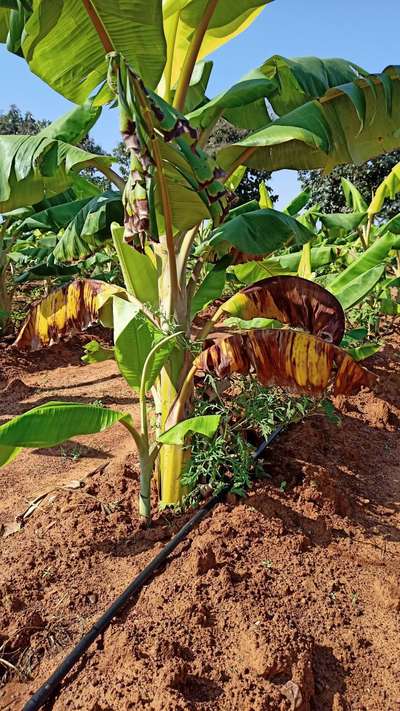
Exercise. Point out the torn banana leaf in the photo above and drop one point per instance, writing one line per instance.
(66, 311)
(285, 358)
(292, 300)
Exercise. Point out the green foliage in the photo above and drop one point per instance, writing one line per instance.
(15, 122)
(326, 190)
(53, 423)
(247, 413)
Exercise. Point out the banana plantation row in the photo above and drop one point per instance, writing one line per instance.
(190, 283)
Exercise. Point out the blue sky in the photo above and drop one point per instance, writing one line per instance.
(363, 31)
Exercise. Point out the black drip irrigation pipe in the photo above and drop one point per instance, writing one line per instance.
(49, 688)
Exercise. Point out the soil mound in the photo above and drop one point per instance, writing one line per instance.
(288, 600)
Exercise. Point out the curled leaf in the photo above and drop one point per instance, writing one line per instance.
(292, 300)
(285, 358)
(63, 312)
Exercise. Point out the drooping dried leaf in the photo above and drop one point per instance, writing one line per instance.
(63, 312)
(285, 358)
(292, 300)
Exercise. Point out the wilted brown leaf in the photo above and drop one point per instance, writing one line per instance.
(63, 312)
(286, 358)
(292, 300)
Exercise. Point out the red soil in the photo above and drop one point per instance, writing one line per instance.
(289, 600)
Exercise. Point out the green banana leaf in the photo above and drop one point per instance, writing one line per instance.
(356, 289)
(392, 225)
(353, 197)
(387, 189)
(96, 353)
(32, 167)
(298, 202)
(182, 18)
(90, 227)
(53, 218)
(134, 338)
(264, 199)
(206, 425)
(367, 350)
(187, 206)
(261, 231)
(372, 257)
(60, 43)
(251, 272)
(73, 126)
(4, 23)
(140, 274)
(53, 423)
(249, 206)
(211, 287)
(47, 270)
(351, 123)
(347, 221)
(198, 85)
(286, 83)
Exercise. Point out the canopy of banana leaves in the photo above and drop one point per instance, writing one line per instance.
(59, 41)
(34, 167)
(286, 83)
(348, 124)
(285, 358)
(183, 17)
(291, 300)
(64, 41)
(89, 227)
(65, 311)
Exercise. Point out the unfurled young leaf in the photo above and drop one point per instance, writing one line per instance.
(265, 201)
(353, 197)
(387, 189)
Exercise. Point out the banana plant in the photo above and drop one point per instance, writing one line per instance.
(181, 231)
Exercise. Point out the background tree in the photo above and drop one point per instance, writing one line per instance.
(223, 134)
(327, 192)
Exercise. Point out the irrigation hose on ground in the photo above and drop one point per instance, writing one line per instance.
(50, 687)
